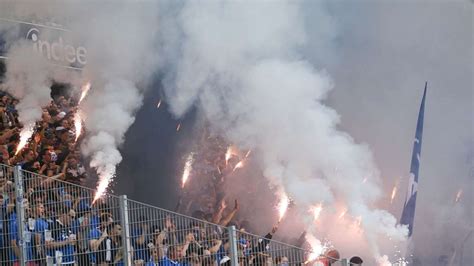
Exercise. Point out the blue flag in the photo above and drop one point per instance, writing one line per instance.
(408, 214)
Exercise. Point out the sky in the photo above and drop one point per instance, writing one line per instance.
(379, 54)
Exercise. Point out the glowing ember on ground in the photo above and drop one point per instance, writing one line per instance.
(282, 206)
(85, 90)
(188, 166)
(78, 124)
(25, 134)
(239, 165)
(458, 196)
(178, 127)
(394, 193)
(343, 213)
(159, 104)
(316, 211)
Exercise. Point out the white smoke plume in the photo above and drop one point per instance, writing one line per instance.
(120, 41)
(28, 80)
(240, 63)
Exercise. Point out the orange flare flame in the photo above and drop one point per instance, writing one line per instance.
(343, 213)
(188, 166)
(394, 193)
(316, 211)
(78, 124)
(104, 181)
(238, 165)
(25, 134)
(85, 90)
(282, 206)
(458, 196)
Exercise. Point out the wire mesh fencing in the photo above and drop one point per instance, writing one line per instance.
(63, 225)
(161, 237)
(257, 250)
(46, 221)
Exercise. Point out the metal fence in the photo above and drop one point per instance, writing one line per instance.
(46, 221)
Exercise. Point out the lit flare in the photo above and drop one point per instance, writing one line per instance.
(238, 165)
(25, 134)
(316, 211)
(394, 193)
(343, 213)
(316, 248)
(85, 90)
(228, 154)
(104, 181)
(282, 206)
(458, 196)
(188, 166)
(78, 124)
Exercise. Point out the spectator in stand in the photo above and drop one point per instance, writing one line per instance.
(140, 235)
(59, 238)
(28, 162)
(356, 261)
(97, 236)
(15, 254)
(74, 171)
(105, 241)
(40, 226)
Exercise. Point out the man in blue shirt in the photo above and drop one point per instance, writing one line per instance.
(97, 236)
(40, 226)
(173, 257)
(59, 238)
(14, 241)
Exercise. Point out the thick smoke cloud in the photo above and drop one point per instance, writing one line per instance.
(28, 81)
(121, 57)
(249, 80)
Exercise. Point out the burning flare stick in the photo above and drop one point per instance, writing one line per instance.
(104, 180)
(316, 211)
(228, 154)
(316, 248)
(343, 213)
(25, 134)
(188, 166)
(458, 196)
(282, 206)
(394, 193)
(78, 124)
(239, 165)
(85, 90)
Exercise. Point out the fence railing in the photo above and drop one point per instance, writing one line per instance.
(46, 221)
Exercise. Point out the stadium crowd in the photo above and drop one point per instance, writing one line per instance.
(64, 227)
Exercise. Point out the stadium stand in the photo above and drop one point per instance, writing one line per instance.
(48, 216)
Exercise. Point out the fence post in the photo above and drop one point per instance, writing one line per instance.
(20, 213)
(126, 246)
(234, 258)
(345, 262)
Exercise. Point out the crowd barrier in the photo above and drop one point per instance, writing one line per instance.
(46, 221)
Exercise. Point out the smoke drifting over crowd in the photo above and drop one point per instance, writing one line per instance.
(263, 95)
(272, 77)
(116, 67)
